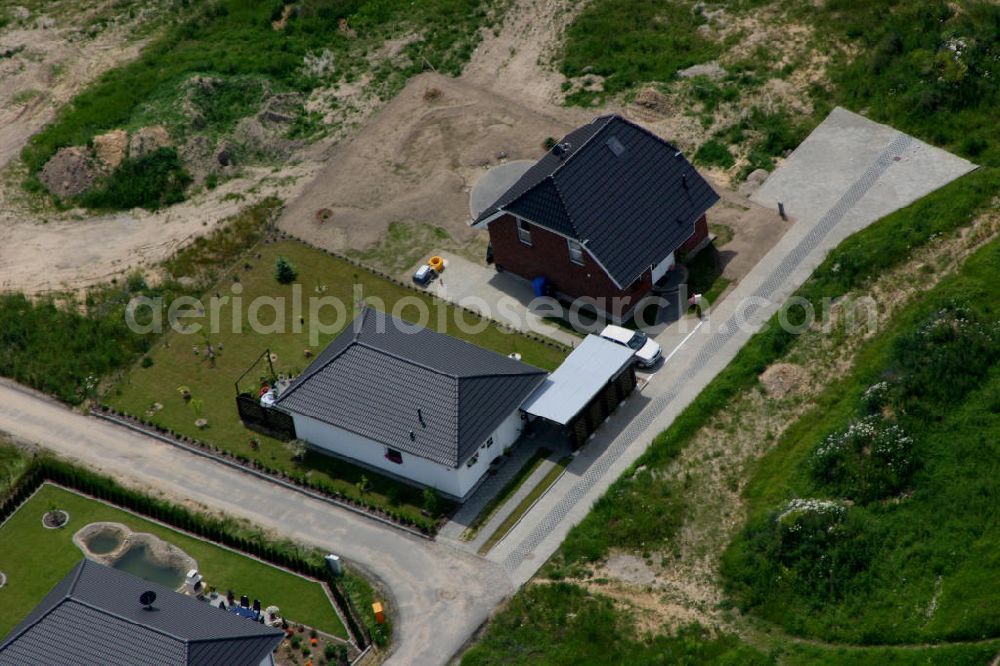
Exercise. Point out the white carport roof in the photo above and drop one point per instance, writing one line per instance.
(580, 377)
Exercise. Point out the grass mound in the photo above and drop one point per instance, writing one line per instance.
(906, 450)
(215, 63)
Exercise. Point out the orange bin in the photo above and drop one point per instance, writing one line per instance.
(379, 612)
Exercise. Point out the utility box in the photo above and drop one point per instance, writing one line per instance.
(333, 563)
(379, 612)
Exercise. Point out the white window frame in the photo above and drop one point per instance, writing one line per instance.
(523, 231)
(575, 251)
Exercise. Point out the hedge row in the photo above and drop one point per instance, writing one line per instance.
(427, 526)
(212, 529)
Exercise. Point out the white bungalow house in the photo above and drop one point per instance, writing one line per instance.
(410, 402)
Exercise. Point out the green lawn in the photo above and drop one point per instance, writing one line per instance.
(35, 559)
(174, 364)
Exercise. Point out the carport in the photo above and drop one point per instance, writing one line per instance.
(585, 389)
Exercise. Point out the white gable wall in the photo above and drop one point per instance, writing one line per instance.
(327, 438)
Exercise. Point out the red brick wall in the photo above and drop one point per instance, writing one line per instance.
(548, 255)
(700, 234)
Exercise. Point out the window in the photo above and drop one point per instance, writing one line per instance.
(472, 461)
(575, 251)
(489, 442)
(523, 231)
(394, 456)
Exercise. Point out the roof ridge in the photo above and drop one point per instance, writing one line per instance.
(535, 371)
(562, 202)
(607, 121)
(136, 623)
(551, 176)
(406, 360)
(650, 133)
(304, 377)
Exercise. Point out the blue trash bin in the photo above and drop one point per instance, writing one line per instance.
(538, 284)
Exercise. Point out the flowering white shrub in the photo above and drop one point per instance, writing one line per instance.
(871, 459)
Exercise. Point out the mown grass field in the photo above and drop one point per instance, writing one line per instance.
(173, 364)
(35, 559)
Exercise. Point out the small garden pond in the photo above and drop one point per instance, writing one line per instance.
(138, 561)
(102, 543)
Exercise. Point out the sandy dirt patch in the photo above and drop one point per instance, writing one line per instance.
(784, 379)
(519, 60)
(416, 160)
(56, 60)
(71, 252)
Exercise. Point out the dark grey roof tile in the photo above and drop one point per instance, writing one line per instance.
(381, 370)
(93, 616)
(631, 207)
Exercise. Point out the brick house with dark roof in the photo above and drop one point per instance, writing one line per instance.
(603, 215)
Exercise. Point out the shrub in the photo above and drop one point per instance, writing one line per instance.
(869, 460)
(432, 501)
(284, 271)
(715, 153)
(812, 548)
(942, 360)
(147, 362)
(150, 181)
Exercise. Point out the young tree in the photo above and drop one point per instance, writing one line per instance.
(284, 271)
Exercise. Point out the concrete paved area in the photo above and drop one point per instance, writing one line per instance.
(440, 595)
(501, 296)
(836, 155)
(543, 436)
(495, 182)
(863, 185)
